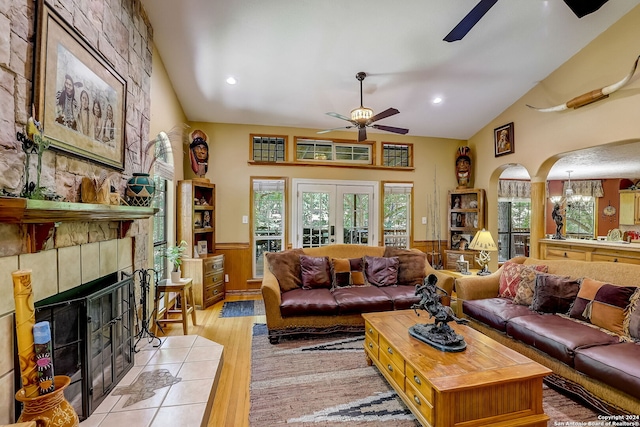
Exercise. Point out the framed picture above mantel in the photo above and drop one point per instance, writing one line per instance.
(80, 98)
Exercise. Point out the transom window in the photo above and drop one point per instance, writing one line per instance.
(397, 155)
(333, 151)
(268, 148)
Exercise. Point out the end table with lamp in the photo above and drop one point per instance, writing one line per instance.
(484, 243)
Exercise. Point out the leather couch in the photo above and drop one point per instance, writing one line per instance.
(605, 363)
(292, 310)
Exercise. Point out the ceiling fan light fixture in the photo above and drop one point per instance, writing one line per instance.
(361, 114)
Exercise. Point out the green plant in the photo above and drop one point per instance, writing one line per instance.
(175, 254)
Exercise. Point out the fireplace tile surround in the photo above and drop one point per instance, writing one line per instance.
(53, 271)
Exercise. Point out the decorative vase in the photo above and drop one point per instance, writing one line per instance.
(175, 276)
(140, 190)
(50, 409)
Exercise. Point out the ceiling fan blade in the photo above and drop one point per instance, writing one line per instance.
(402, 131)
(362, 134)
(584, 7)
(470, 20)
(331, 130)
(384, 114)
(339, 116)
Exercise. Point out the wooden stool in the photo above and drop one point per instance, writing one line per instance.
(182, 288)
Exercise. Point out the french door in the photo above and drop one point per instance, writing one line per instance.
(329, 212)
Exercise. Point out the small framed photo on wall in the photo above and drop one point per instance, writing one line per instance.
(503, 140)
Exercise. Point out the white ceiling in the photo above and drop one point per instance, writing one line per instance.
(296, 60)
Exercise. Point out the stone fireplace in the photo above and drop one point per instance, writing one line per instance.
(92, 328)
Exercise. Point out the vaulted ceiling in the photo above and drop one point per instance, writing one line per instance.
(294, 61)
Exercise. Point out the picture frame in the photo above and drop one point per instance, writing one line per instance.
(202, 247)
(81, 99)
(504, 141)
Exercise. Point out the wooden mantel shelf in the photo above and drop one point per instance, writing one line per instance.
(15, 210)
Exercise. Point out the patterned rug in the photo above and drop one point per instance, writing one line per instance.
(325, 381)
(242, 308)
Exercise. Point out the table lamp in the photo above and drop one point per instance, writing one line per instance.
(484, 243)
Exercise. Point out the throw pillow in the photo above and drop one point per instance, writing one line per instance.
(381, 271)
(411, 265)
(554, 294)
(604, 304)
(285, 266)
(347, 272)
(519, 277)
(632, 320)
(315, 272)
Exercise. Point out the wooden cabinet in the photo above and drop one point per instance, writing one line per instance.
(196, 226)
(590, 250)
(195, 217)
(629, 207)
(465, 217)
(208, 279)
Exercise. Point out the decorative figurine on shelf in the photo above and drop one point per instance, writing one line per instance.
(199, 153)
(463, 167)
(438, 334)
(206, 219)
(556, 214)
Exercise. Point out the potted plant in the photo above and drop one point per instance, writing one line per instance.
(174, 254)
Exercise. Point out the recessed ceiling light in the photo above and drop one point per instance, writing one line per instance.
(232, 80)
(437, 100)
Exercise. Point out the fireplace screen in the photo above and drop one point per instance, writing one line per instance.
(92, 338)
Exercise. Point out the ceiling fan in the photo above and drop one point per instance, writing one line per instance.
(579, 7)
(363, 117)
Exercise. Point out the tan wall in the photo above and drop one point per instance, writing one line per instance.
(540, 138)
(229, 170)
(166, 113)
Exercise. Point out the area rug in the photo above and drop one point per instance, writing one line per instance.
(242, 308)
(325, 381)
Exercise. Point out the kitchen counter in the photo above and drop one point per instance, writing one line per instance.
(590, 250)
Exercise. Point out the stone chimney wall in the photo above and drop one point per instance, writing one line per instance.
(75, 252)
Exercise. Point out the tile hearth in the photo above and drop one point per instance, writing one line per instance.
(171, 385)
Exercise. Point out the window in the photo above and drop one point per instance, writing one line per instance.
(332, 151)
(163, 148)
(397, 155)
(514, 232)
(580, 217)
(268, 148)
(397, 214)
(268, 208)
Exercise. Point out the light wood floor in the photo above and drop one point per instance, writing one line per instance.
(231, 405)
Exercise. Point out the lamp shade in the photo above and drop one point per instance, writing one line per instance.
(483, 241)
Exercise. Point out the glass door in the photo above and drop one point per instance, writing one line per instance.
(334, 213)
(316, 219)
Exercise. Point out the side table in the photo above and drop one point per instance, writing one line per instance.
(184, 289)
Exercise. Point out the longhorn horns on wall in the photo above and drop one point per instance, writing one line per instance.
(593, 96)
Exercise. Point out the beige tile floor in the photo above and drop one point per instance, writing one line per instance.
(196, 360)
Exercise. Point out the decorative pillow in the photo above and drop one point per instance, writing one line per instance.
(315, 272)
(381, 271)
(604, 304)
(512, 278)
(285, 266)
(411, 265)
(554, 294)
(631, 325)
(347, 272)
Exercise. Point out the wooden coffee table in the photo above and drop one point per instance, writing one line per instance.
(487, 384)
